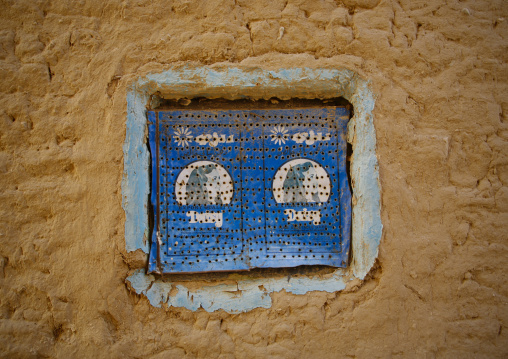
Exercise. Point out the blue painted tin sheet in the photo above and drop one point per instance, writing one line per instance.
(242, 189)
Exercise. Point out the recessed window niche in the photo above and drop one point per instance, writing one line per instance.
(242, 208)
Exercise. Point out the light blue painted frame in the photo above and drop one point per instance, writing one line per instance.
(256, 83)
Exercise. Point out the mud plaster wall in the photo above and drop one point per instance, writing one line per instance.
(440, 76)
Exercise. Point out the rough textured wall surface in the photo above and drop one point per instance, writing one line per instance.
(440, 73)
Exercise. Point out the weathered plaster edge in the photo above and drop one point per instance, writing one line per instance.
(135, 181)
(234, 82)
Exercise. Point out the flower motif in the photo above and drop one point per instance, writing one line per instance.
(183, 136)
(279, 135)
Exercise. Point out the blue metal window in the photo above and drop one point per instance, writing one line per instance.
(243, 189)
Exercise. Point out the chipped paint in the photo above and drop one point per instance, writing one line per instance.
(234, 83)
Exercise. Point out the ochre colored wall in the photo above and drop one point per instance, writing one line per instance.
(440, 75)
